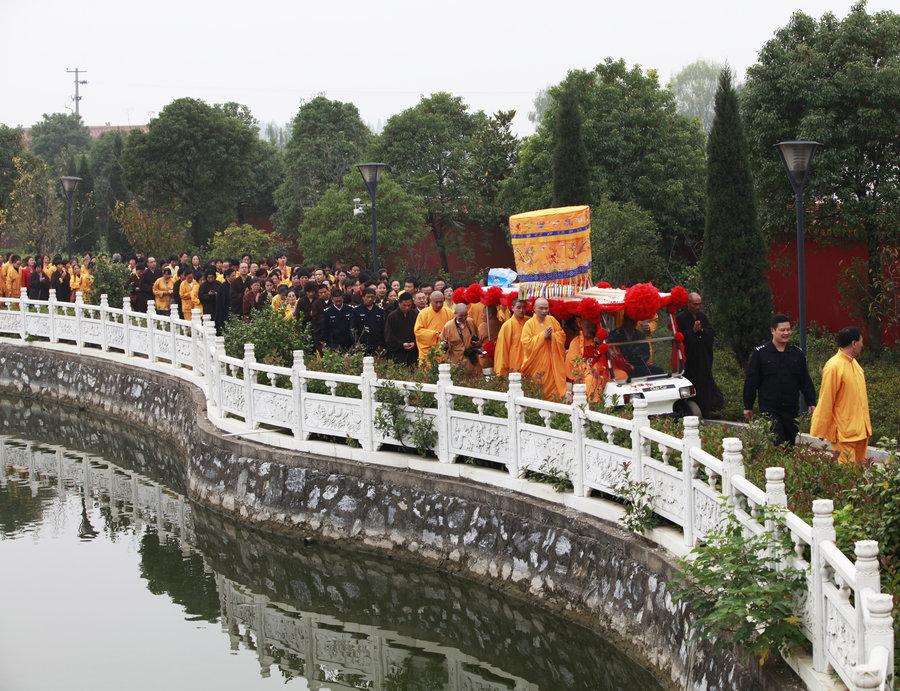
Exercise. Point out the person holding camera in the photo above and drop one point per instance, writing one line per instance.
(460, 339)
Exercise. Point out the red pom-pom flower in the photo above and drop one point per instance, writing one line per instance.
(492, 296)
(590, 309)
(459, 297)
(473, 293)
(603, 284)
(678, 298)
(642, 301)
(508, 299)
(679, 336)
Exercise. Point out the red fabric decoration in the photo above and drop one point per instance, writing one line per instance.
(642, 301)
(679, 336)
(507, 299)
(563, 310)
(492, 296)
(602, 348)
(589, 309)
(601, 334)
(459, 297)
(529, 304)
(603, 284)
(678, 298)
(489, 347)
(473, 293)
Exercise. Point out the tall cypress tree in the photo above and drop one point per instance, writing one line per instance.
(733, 264)
(570, 169)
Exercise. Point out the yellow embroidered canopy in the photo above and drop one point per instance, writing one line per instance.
(553, 251)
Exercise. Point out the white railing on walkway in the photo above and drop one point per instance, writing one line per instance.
(846, 617)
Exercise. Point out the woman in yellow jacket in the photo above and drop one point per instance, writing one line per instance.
(162, 291)
(189, 294)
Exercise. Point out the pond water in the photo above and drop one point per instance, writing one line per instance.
(111, 580)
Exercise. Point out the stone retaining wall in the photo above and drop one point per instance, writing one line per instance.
(589, 569)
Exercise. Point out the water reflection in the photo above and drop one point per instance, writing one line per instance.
(314, 615)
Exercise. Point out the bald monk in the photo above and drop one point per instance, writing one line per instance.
(585, 364)
(429, 324)
(508, 355)
(544, 347)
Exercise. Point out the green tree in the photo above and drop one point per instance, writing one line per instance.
(494, 151)
(156, 233)
(237, 240)
(84, 210)
(639, 149)
(733, 266)
(36, 207)
(195, 162)
(571, 177)
(59, 137)
(624, 242)
(109, 187)
(331, 229)
(11, 145)
(268, 173)
(327, 137)
(836, 82)
(695, 90)
(426, 146)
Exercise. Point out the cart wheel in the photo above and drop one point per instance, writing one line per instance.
(688, 407)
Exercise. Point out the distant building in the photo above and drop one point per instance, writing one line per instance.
(97, 130)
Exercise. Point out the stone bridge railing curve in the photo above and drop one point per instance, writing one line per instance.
(846, 617)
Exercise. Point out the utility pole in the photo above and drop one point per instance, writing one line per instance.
(77, 82)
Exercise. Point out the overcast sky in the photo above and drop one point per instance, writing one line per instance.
(381, 56)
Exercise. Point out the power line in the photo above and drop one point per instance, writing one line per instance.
(77, 97)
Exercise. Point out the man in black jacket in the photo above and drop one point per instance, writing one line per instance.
(698, 354)
(223, 301)
(368, 323)
(148, 278)
(238, 285)
(336, 331)
(778, 371)
(399, 332)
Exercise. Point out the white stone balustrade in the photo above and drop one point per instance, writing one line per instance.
(852, 637)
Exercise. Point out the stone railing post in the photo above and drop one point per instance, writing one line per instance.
(215, 374)
(298, 388)
(822, 531)
(173, 341)
(23, 310)
(868, 590)
(79, 316)
(249, 376)
(367, 389)
(514, 393)
(776, 495)
(150, 320)
(207, 344)
(126, 326)
(640, 420)
(579, 404)
(879, 631)
(197, 341)
(104, 318)
(690, 440)
(732, 464)
(51, 315)
(443, 413)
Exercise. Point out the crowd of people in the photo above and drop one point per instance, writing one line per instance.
(411, 321)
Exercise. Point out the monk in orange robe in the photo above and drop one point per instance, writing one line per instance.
(508, 355)
(584, 362)
(544, 347)
(429, 324)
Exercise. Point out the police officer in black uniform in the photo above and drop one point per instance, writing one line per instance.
(368, 323)
(778, 371)
(336, 331)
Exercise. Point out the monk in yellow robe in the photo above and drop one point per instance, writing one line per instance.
(429, 324)
(584, 362)
(508, 355)
(842, 413)
(544, 347)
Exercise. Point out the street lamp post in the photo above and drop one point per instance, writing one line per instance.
(69, 183)
(371, 174)
(797, 158)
